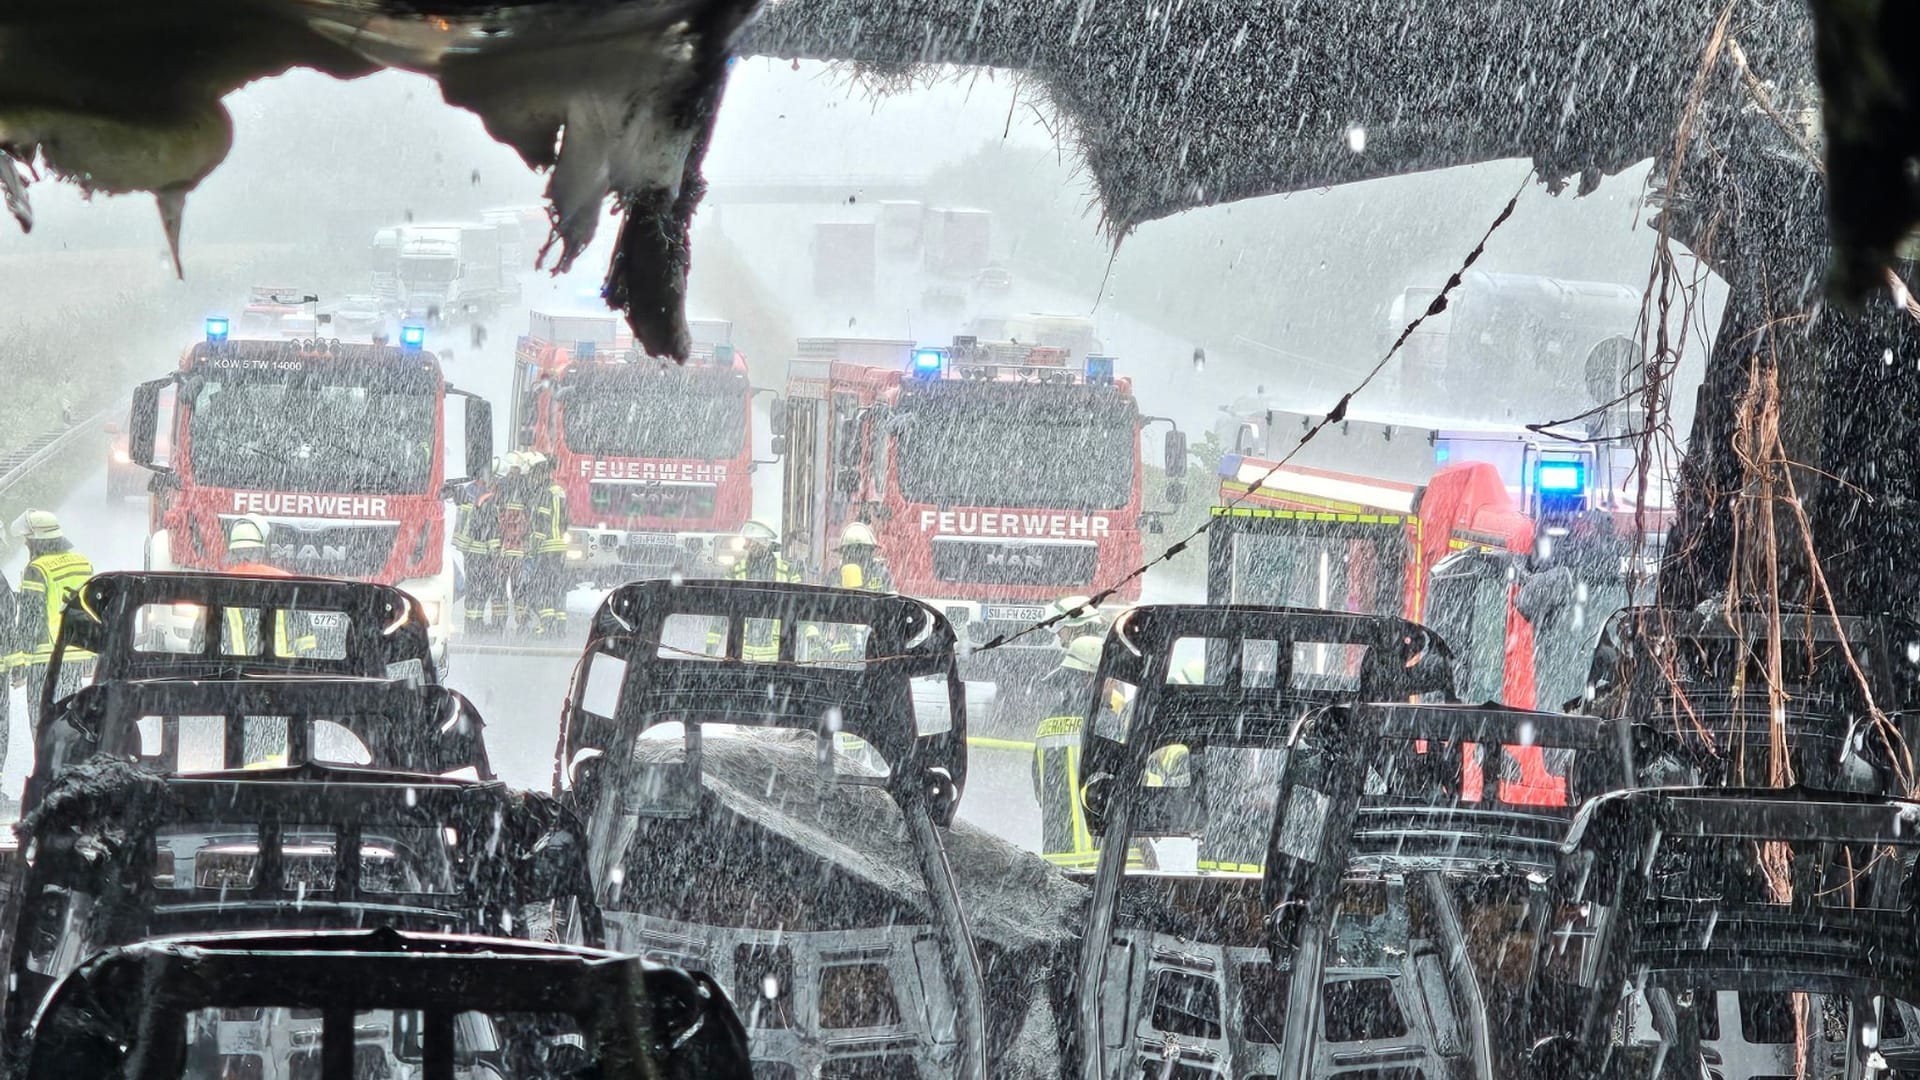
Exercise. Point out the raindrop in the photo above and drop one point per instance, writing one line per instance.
(770, 987)
(1199, 359)
(834, 718)
(1526, 733)
(1887, 358)
(1357, 138)
(413, 797)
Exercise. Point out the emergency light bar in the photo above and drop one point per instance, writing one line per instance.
(412, 337)
(583, 350)
(1099, 369)
(928, 363)
(217, 327)
(1561, 485)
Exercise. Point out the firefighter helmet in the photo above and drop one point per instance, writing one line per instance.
(858, 534)
(1076, 611)
(42, 525)
(759, 532)
(1083, 654)
(247, 533)
(532, 459)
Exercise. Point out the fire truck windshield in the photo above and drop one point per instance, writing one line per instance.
(671, 413)
(1018, 445)
(337, 428)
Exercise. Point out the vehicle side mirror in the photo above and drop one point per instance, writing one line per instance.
(144, 421)
(1176, 493)
(1096, 798)
(1176, 455)
(846, 480)
(479, 436)
(779, 446)
(777, 416)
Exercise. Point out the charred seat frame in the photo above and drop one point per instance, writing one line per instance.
(1327, 832)
(427, 730)
(96, 833)
(1729, 942)
(1401, 659)
(868, 696)
(130, 1003)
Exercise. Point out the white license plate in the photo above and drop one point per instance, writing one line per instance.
(326, 620)
(1025, 613)
(651, 540)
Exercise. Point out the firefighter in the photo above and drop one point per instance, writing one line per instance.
(246, 547)
(54, 572)
(757, 558)
(861, 564)
(476, 536)
(516, 537)
(547, 550)
(1072, 626)
(1064, 838)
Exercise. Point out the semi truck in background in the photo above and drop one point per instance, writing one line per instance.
(958, 241)
(341, 448)
(1504, 340)
(900, 224)
(655, 457)
(843, 260)
(523, 231)
(437, 273)
(997, 478)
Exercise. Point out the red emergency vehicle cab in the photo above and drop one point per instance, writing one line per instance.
(1513, 546)
(655, 457)
(997, 478)
(340, 447)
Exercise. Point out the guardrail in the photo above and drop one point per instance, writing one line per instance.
(19, 465)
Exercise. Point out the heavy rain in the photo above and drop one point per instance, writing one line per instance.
(862, 539)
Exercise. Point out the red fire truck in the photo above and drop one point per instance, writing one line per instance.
(996, 477)
(341, 448)
(1449, 531)
(655, 457)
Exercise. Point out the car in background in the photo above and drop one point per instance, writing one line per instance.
(993, 279)
(357, 317)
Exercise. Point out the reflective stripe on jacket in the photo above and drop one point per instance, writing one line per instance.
(54, 576)
(549, 522)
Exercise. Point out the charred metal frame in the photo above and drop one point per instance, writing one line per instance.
(1721, 726)
(1820, 948)
(643, 1020)
(429, 730)
(1402, 659)
(385, 630)
(96, 831)
(869, 697)
(1349, 835)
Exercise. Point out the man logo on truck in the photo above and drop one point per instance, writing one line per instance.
(307, 552)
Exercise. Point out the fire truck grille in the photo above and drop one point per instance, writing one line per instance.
(356, 550)
(1015, 562)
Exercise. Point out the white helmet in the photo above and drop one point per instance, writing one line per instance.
(248, 533)
(42, 525)
(1083, 654)
(759, 532)
(858, 534)
(1078, 611)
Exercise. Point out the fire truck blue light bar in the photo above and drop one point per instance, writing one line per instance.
(217, 327)
(412, 337)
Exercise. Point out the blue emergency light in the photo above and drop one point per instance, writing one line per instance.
(1099, 369)
(412, 337)
(583, 350)
(217, 327)
(1562, 486)
(928, 363)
